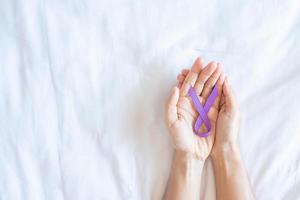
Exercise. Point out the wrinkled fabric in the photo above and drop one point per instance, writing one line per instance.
(83, 85)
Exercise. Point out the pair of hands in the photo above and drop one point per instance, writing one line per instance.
(223, 115)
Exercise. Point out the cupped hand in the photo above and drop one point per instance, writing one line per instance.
(181, 113)
(227, 126)
(228, 121)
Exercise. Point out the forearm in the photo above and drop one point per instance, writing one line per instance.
(184, 181)
(231, 177)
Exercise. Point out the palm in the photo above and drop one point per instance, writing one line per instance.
(187, 115)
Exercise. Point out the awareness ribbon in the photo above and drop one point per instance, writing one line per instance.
(203, 118)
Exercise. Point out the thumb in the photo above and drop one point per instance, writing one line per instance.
(171, 114)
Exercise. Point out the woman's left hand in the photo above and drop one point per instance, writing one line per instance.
(181, 113)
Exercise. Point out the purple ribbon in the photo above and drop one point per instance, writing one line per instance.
(203, 118)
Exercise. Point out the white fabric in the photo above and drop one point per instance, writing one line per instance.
(83, 85)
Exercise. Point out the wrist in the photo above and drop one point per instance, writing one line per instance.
(187, 165)
(185, 174)
(225, 150)
(186, 158)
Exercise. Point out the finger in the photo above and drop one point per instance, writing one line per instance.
(222, 101)
(191, 77)
(180, 78)
(230, 102)
(204, 76)
(179, 85)
(219, 83)
(172, 106)
(185, 72)
(210, 83)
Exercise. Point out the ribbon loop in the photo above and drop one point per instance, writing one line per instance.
(203, 111)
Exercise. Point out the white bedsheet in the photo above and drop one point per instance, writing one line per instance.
(83, 85)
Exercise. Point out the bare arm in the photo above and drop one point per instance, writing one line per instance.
(184, 180)
(230, 174)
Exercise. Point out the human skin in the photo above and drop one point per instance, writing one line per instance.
(191, 151)
(230, 175)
